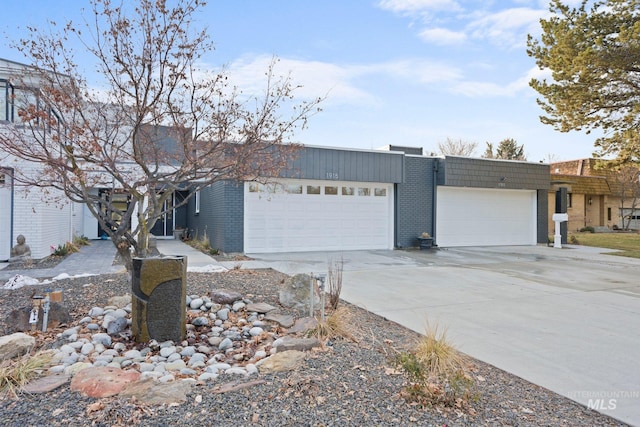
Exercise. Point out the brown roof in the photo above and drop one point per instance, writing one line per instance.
(595, 185)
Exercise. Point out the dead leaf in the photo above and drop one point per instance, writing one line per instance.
(320, 400)
(391, 371)
(255, 418)
(198, 399)
(480, 378)
(57, 412)
(94, 407)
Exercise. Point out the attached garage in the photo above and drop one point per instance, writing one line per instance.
(315, 215)
(334, 199)
(485, 217)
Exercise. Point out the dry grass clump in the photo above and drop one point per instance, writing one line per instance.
(437, 371)
(338, 324)
(334, 277)
(15, 373)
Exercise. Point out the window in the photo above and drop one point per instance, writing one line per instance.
(380, 192)
(348, 191)
(6, 107)
(608, 214)
(331, 190)
(569, 200)
(197, 201)
(364, 191)
(313, 189)
(3, 179)
(255, 187)
(294, 189)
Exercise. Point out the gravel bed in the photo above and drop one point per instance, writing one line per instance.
(345, 384)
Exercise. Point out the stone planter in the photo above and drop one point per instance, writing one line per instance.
(159, 292)
(425, 242)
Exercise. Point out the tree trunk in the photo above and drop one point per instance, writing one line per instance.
(124, 256)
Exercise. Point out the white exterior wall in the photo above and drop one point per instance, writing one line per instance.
(43, 224)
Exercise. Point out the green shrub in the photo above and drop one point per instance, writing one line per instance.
(587, 229)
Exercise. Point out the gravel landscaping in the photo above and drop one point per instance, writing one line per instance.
(342, 383)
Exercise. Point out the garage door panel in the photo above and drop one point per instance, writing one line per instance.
(307, 222)
(485, 217)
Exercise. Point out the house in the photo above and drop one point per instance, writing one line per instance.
(327, 199)
(345, 199)
(596, 196)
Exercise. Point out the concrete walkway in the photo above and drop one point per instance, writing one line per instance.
(97, 258)
(565, 319)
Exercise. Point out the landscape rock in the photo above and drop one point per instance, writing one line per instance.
(260, 307)
(299, 344)
(18, 319)
(303, 325)
(120, 301)
(284, 320)
(295, 292)
(15, 345)
(102, 381)
(281, 362)
(46, 384)
(225, 296)
(151, 392)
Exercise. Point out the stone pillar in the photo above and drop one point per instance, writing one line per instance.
(159, 292)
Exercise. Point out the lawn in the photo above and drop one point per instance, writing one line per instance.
(627, 243)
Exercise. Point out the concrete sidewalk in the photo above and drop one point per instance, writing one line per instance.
(565, 319)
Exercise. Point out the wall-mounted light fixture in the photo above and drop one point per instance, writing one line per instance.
(589, 201)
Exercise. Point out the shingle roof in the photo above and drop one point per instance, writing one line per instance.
(595, 185)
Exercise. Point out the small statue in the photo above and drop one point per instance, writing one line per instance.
(21, 251)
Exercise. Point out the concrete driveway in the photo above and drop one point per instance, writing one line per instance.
(566, 319)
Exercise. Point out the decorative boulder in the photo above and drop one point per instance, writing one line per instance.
(18, 320)
(15, 345)
(296, 292)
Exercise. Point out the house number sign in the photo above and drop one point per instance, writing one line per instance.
(332, 175)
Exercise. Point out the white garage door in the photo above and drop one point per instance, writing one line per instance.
(305, 215)
(485, 217)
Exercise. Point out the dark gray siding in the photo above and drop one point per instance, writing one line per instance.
(221, 216)
(343, 165)
(543, 209)
(487, 173)
(414, 208)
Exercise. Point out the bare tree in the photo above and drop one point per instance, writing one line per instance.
(159, 123)
(457, 147)
(627, 179)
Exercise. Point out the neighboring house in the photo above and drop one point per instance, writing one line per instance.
(342, 199)
(594, 196)
(32, 212)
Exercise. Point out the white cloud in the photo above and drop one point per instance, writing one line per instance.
(442, 36)
(418, 6)
(342, 83)
(507, 27)
(488, 89)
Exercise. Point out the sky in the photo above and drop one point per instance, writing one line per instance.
(394, 72)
